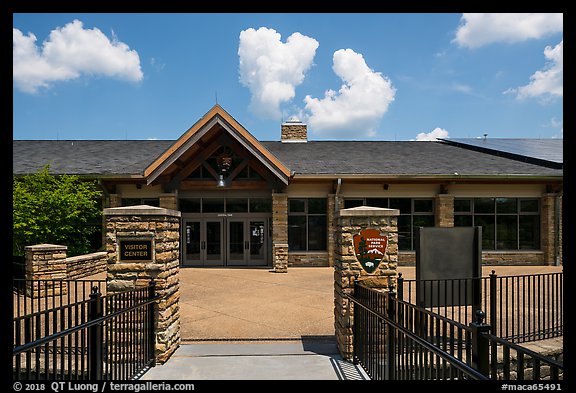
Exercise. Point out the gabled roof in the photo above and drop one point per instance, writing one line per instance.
(216, 115)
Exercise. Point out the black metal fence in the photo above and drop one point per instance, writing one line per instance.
(102, 337)
(32, 296)
(520, 308)
(395, 339)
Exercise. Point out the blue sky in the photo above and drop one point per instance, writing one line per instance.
(348, 76)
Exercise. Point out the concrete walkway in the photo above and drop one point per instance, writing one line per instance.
(301, 360)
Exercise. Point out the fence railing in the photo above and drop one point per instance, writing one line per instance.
(519, 308)
(32, 296)
(111, 337)
(395, 339)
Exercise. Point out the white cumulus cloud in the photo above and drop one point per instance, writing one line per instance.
(68, 53)
(360, 103)
(476, 30)
(272, 69)
(547, 83)
(432, 135)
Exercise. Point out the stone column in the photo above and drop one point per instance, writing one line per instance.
(444, 210)
(160, 229)
(115, 200)
(347, 268)
(45, 262)
(280, 232)
(169, 201)
(548, 227)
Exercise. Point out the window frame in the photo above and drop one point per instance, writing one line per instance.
(495, 214)
(306, 214)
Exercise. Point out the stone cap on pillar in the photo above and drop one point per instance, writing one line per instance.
(364, 211)
(46, 247)
(140, 210)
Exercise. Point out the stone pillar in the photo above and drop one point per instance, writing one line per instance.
(444, 210)
(347, 268)
(169, 201)
(45, 262)
(548, 237)
(280, 232)
(115, 200)
(160, 229)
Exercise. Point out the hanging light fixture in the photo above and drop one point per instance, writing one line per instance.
(224, 161)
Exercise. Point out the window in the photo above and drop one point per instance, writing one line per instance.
(307, 224)
(141, 201)
(507, 223)
(414, 213)
(225, 205)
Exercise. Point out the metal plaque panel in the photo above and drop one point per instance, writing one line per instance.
(448, 266)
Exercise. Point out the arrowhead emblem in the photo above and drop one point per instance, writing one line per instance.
(370, 247)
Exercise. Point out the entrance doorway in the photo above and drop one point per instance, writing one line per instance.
(226, 240)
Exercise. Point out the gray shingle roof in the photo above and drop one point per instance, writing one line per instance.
(121, 157)
(547, 152)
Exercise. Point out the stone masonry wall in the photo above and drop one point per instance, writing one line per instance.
(162, 227)
(45, 262)
(444, 210)
(280, 232)
(317, 259)
(347, 268)
(86, 265)
(294, 131)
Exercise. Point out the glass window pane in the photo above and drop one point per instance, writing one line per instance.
(529, 232)
(462, 220)
(237, 205)
(349, 203)
(317, 206)
(423, 205)
(377, 202)
(260, 205)
(529, 205)
(462, 205)
(212, 205)
(317, 237)
(190, 205)
(296, 205)
(404, 233)
(131, 201)
(483, 205)
(421, 221)
(403, 204)
(297, 233)
(506, 205)
(487, 224)
(507, 232)
(151, 202)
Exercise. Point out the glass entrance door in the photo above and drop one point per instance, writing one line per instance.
(225, 241)
(204, 242)
(257, 243)
(236, 242)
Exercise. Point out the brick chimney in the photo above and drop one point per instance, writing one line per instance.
(294, 131)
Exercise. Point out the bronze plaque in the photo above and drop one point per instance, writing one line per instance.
(135, 250)
(370, 247)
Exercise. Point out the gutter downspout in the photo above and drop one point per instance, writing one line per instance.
(336, 204)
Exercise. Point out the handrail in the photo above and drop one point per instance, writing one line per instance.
(444, 355)
(63, 333)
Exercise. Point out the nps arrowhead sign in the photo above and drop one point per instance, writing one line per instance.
(370, 247)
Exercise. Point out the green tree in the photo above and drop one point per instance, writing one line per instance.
(55, 209)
